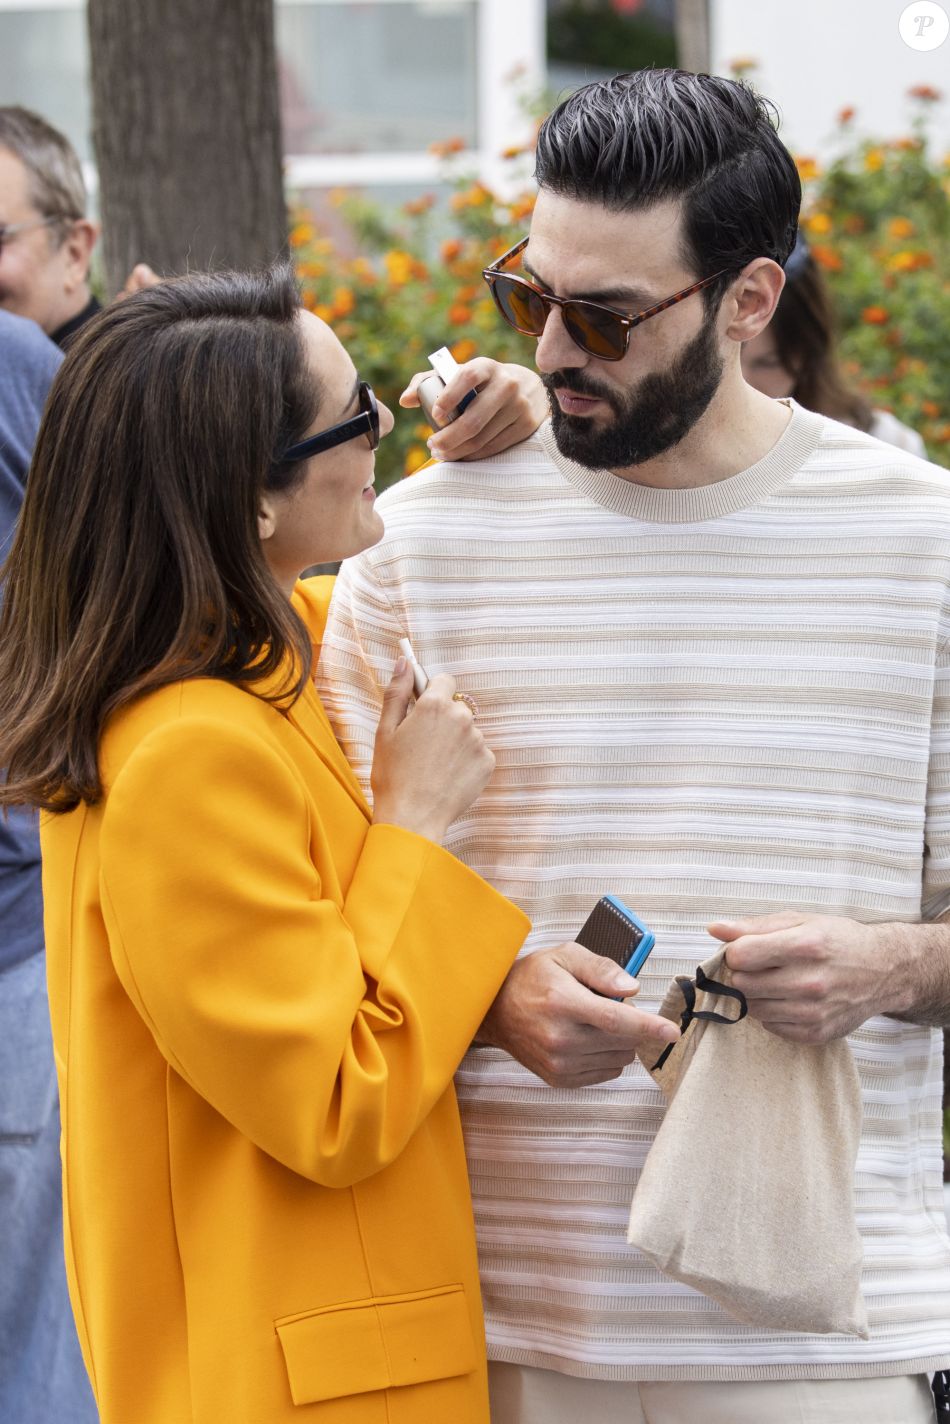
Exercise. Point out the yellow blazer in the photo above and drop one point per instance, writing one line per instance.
(258, 1003)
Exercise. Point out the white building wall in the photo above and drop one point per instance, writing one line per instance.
(819, 56)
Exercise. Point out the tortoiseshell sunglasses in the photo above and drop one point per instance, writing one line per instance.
(600, 331)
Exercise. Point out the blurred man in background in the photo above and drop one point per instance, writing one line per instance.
(42, 1376)
(46, 239)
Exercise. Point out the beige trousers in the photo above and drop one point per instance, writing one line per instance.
(520, 1395)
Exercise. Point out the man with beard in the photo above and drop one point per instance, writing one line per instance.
(705, 634)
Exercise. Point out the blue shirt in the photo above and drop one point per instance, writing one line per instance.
(28, 363)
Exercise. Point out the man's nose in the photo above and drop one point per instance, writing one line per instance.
(556, 351)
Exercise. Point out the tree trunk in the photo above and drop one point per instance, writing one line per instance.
(691, 23)
(186, 127)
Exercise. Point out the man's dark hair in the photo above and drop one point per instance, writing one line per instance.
(639, 139)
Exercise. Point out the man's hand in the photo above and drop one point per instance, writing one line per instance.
(550, 1015)
(812, 978)
(511, 404)
(139, 279)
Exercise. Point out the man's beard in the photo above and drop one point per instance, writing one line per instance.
(660, 410)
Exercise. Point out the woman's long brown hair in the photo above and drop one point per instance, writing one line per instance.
(137, 560)
(804, 331)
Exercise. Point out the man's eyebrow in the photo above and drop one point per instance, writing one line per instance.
(636, 298)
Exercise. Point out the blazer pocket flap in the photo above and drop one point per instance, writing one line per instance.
(377, 1344)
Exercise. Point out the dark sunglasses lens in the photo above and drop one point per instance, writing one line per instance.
(520, 305)
(597, 331)
(369, 406)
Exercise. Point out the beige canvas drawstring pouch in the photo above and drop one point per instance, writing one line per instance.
(747, 1190)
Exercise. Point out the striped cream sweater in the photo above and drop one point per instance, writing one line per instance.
(713, 702)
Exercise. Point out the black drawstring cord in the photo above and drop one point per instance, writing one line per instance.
(690, 1012)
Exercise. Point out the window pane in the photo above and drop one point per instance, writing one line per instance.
(44, 66)
(388, 78)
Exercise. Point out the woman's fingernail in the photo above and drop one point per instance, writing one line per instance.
(400, 667)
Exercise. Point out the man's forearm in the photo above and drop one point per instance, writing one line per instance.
(922, 970)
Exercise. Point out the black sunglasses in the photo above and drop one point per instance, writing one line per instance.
(600, 331)
(366, 423)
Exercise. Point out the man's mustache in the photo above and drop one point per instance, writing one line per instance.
(578, 383)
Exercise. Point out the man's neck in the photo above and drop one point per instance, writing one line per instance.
(739, 427)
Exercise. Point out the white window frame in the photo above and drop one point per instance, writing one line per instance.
(509, 36)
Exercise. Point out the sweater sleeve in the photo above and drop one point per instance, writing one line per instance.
(936, 886)
(324, 1032)
(360, 647)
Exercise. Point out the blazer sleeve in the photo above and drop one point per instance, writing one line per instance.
(323, 1032)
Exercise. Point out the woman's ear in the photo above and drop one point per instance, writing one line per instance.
(756, 295)
(266, 518)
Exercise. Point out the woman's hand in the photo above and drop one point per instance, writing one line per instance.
(511, 405)
(429, 763)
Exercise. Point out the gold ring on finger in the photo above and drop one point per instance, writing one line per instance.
(470, 702)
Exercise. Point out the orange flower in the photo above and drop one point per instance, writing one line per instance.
(516, 150)
(875, 316)
(930, 408)
(416, 457)
(343, 301)
(399, 266)
(450, 249)
(926, 92)
(319, 309)
(742, 65)
(522, 208)
(874, 160)
(827, 257)
(474, 197)
(446, 147)
(311, 269)
(900, 227)
(416, 206)
(464, 350)
(459, 314)
(854, 223)
(846, 114)
(807, 168)
(421, 432)
(301, 234)
(819, 223)
(909, 261)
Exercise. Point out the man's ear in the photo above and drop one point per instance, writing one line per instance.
(266, 518)
(77, 249)
(754, 295)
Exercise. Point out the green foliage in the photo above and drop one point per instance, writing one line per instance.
(608, 40)
(878, 222)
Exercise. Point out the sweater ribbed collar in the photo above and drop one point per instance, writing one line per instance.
(692, 506)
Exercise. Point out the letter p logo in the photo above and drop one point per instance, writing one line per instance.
(924, 25)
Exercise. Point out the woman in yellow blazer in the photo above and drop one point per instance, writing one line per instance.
(259, 988)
